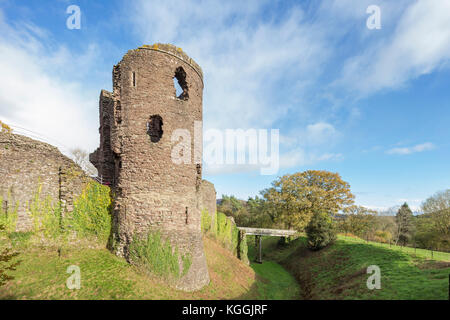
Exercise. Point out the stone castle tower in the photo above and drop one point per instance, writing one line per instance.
(137, 120)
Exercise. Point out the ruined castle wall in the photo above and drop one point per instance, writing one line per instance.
(152, 192)
(27, 164)
(207, 199)
(103, 157)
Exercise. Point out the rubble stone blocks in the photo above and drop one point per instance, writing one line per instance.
(26, 164)
(207, 199)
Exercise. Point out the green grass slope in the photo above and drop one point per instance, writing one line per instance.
(42, 274)
(278, 283)
(340, 271)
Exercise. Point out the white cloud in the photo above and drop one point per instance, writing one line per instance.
(256, 70)
(408, 150)
(320, 132)
(229, 168)
(39, 90)
(244, 58)
(419, 45)
(261, 67)
(313, 135)
(299, 157)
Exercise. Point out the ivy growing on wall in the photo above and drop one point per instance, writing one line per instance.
(91, 214)
(158, 257)
(226, 232)
(8, 213)
(90, 217)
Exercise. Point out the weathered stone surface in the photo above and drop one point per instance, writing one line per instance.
(207, 199)
(137, 120)
(25, 164)
(103, 157)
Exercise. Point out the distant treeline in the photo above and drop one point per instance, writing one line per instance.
(294, 198)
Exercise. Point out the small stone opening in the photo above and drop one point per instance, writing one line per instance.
(180, 84)
(154, 128)
(133, 77)
(118, 113)
(198, 180)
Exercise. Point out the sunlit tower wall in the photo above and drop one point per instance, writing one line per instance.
(151, 192)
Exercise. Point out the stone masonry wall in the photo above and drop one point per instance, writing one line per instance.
(207, 199)
(103, 157)
(25, 164)
(152, 193)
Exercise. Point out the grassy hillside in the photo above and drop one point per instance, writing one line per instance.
(42, 275)
(336, 272)
(340, 271)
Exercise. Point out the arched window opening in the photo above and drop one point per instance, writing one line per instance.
(180, 84)
(154, 128)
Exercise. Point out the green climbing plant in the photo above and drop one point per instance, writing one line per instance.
(91, 214)
(158, 256)
(45, 214)
(8, 214)
(206, 221)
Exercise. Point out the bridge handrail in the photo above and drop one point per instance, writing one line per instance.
(267, 232)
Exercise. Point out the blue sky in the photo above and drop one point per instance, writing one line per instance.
(373, 105)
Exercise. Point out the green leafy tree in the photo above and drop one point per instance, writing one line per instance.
(231, 206)
(294, 198)
(434, 225)
(320, 231)
(425, 235)
(360, 221)
(255, 212)
(261, 215)
(404, 224)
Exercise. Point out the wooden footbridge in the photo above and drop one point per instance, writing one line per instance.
(259, 232)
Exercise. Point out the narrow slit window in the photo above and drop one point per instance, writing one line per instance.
(118, 113)
(133, 76)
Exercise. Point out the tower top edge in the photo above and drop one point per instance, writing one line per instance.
(172, 50)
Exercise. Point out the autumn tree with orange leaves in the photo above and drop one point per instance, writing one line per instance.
(294, 198)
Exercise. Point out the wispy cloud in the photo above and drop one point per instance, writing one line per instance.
(256, 70)
(40, 88)
(299, 157)
(243, 56)
(419, 44)
(264, 66)
(408, 150)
